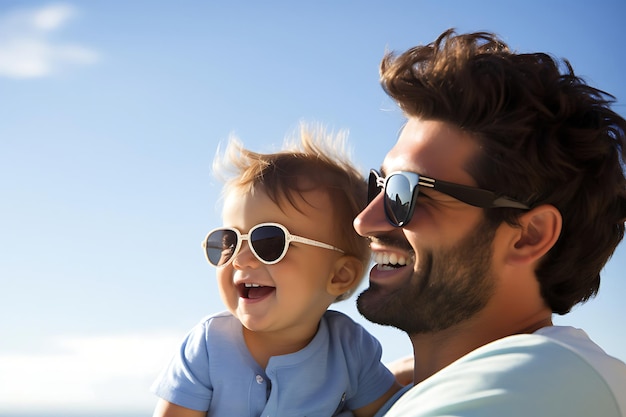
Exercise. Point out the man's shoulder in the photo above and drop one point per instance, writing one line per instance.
(555, 352)
(552, 345)
(555, 371)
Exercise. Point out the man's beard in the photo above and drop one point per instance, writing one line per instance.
(449, 287)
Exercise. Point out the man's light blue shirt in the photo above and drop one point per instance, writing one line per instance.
(557, 371)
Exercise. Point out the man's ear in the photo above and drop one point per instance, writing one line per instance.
(345, 276)
(540, 229)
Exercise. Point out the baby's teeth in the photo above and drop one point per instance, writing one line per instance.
(251, 285)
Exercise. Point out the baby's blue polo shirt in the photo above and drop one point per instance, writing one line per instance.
(338, 370)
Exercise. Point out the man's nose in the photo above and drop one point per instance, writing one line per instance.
(372, 220)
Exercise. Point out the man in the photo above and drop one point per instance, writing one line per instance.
(498, 206)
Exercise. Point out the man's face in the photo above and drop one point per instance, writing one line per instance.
(435, 271)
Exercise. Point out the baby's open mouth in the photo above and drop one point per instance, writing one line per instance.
(254, 291)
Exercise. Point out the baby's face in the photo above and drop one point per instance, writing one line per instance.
(291, 295)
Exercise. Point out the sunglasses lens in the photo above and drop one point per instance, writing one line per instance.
(220, 246)
(268, 242)
(398, 198)
(373, 189)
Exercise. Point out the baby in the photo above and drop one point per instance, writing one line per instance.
(286, 252)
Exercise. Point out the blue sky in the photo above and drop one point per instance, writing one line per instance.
(110, 114)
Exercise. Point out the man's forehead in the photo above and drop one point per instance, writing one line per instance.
(433, 148)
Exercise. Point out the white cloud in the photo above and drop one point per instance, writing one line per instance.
(103, 373)
(28, 48)
(52, 17)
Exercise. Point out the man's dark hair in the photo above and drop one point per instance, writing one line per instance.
(546, 137)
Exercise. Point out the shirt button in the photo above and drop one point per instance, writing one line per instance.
(259, 379)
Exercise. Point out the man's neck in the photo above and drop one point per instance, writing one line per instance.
(435, 351)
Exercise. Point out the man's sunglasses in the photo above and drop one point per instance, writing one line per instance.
(267, 241)
(402, 188)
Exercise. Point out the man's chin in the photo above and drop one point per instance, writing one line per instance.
(381, 306)
(373, 304)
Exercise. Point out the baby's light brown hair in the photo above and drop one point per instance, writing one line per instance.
(317, 160)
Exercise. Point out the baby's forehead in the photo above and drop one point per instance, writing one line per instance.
(307, 195)
(309, 213)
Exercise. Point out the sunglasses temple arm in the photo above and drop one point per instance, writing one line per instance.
(311, 242)
(477, 197)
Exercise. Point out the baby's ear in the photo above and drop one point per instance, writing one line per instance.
(540, 229)
(345, 276)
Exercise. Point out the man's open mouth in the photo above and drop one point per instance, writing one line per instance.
(389, 260)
